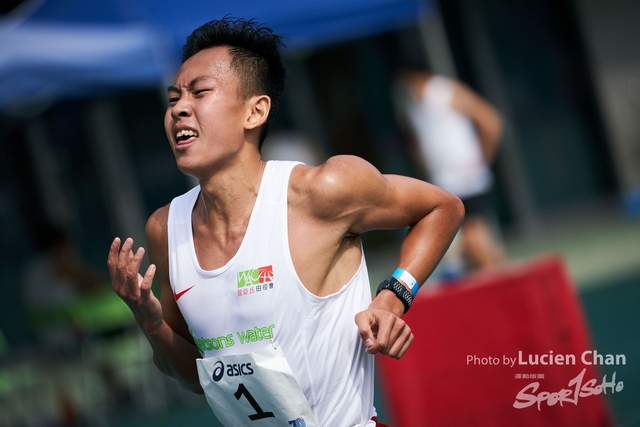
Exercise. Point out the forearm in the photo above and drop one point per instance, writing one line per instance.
(421, 251)
(489, 143)
(175, 356)
(161, 322)
(489, 134)
(427, 240)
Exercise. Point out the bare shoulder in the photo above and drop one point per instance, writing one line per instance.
(157, 240)
(157, 235)
(463, 96)
(339, 171)
(334, 186)
(468, 101)
(157, 223)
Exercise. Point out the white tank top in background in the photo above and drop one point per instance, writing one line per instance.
(257, 296)
(449, 142)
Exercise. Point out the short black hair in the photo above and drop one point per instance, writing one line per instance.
(256, 56)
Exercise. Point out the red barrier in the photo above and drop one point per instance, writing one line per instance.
(457, 372)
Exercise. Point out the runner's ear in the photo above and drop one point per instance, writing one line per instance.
(258, 112)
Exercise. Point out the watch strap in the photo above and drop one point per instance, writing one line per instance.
(399, 289)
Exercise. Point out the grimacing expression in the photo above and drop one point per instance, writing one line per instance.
(205, 116)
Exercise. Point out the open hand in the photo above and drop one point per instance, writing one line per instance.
(131, 286)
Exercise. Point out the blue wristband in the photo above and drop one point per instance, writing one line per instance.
(408, 279)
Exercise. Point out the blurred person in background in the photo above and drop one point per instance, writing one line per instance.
(65, 295)
(262, 263)
(293, 145)
(453, 135)
(55, 279)
(68, 307)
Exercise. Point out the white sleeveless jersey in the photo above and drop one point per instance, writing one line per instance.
(449, 142)
(257, 296)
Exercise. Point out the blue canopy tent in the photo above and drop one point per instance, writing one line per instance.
(51, 49)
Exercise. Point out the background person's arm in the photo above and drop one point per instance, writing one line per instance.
(486, 118)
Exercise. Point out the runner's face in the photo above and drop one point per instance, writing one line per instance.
(205, 117)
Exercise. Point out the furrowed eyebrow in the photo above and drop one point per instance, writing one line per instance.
(190, 86)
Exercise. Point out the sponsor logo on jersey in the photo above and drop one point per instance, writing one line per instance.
(231, 370)
(255, 280)
(178, 295)
(257, 333)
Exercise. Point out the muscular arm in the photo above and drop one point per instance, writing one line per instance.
(174, 352)
(365, 200)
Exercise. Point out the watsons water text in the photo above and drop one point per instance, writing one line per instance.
(250, 335)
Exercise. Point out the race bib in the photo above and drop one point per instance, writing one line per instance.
(256, 389)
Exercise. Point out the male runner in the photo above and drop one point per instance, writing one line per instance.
(265, 299)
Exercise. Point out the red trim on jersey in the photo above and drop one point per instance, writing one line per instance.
(377, 423)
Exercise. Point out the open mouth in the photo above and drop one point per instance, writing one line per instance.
(183, 136)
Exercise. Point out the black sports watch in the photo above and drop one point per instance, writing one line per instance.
(399, 289)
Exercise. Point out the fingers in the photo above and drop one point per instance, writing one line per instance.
(112, 258)
(134, 262)
(124, 265)
(385, 333)
(405, 347)
(390, 329)
(147, 280)
(401, 343)
(364, 329)
(124, 257)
